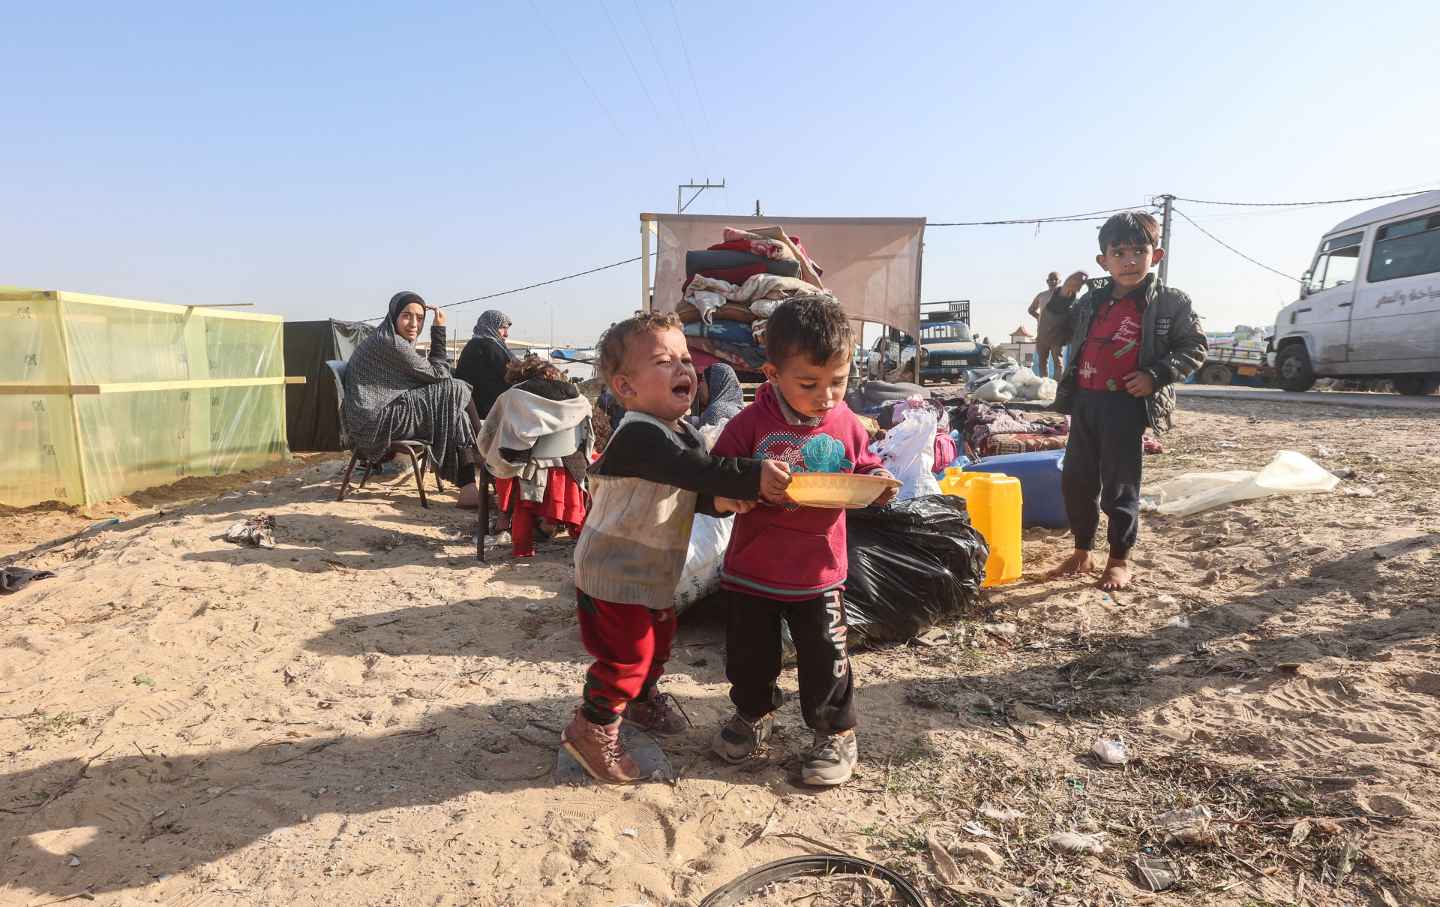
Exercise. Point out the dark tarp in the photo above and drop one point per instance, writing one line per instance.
(312, 418)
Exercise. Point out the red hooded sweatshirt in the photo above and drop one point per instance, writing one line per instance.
(791, 553)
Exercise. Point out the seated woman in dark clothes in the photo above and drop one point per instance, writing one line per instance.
(485, 358)
(392, 393)
(537, 443)
(483, 363)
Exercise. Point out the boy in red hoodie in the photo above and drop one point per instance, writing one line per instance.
(788, 562)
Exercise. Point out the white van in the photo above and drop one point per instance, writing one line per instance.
(1370, 304)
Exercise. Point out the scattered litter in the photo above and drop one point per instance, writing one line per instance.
(1288, 473)
(933, 637)
(1006, 631)
(1155, 874)
(1110, 751)
(1345, 862)
(1074, 842)
(13, 579)
(945, 867)
(629, 833)
(1167, 599)
(257, 532)
(74, 860)
(1300, 832)
(1025, 714)
(1188, 826)
(976, 829)
(1327, 827)
(1005, 818)
(1322, 451)
(1179, 620)
(983, 854)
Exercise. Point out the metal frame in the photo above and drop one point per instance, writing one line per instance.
(136, 387)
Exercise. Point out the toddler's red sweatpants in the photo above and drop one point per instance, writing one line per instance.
(630, 645)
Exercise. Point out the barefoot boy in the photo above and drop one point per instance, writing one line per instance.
(789, 562)
(655, 474)
(1131, 339)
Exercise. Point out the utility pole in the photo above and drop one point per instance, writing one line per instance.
(757, 208)
(1166, 205)
(681, 204)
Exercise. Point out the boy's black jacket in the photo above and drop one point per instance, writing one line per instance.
(1172, 345)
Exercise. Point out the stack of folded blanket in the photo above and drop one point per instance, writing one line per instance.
(739, 282)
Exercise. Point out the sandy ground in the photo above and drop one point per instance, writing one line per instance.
(365, 715)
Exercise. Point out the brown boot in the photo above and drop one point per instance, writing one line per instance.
(598, 750)
(660, 714)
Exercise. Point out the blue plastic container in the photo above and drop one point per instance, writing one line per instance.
(1039, 475)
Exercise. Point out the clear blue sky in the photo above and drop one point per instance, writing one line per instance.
(315, 158)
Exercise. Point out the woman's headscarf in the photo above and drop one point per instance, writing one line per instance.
(726, 397)
(489, 326)
(398, 302)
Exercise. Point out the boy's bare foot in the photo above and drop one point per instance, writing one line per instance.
(1077, 563)
(1116, 576)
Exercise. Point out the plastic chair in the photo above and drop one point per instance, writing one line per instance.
(421, 456)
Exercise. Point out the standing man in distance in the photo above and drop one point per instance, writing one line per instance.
(1049, 341)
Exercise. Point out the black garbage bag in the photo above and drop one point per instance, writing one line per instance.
(912, 564)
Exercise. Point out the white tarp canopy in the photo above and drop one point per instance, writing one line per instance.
(871, 264)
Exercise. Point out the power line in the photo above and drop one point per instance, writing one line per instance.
(1232, 248)
(1332, 201)
(670, 85)
(578, 71)
(545, 283)
(533, 286)
(1062, 218)
(631, 60)
(690, 67)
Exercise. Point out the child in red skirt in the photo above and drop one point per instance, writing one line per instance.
(654, 476)
(536, 441)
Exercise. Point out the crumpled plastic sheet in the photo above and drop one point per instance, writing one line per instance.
(1289, 472)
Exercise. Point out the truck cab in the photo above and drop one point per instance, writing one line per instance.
(1369, 305)
(950, 351)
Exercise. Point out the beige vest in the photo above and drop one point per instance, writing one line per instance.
(637, 532)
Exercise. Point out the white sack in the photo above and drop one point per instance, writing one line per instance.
(908, 450)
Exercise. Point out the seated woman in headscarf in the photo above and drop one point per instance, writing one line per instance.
(485, 358)
(392, 393)
(718, 397)
(537, 443)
